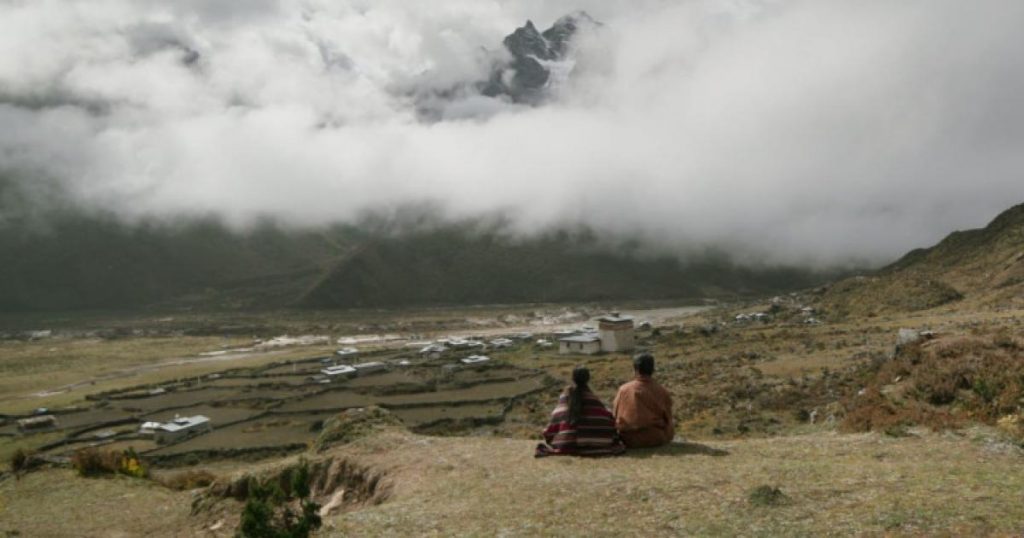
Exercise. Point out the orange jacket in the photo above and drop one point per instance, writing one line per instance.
(642, 403)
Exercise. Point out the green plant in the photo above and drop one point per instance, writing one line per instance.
(94, 462)
(767, 496)
(23, 461)
(269, 511)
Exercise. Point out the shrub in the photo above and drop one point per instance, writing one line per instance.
(23, 461)
(129, 464)
(981, 378)
(767, 496)
(19, 460)
(90, 462)
(269, 513)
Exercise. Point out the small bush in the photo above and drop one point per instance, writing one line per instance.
(270, 512)
(23, 461)
(767, 496)
(19, 460)
(977, 378)
(89, 462)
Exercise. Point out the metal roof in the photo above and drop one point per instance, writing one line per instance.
(615, 319)
(337, 370)
(184, 423)
(583, 338)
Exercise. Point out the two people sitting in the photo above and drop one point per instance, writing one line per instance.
(581, 425)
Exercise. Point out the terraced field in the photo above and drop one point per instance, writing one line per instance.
(282, 406)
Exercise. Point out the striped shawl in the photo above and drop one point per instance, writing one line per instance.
(593, 435)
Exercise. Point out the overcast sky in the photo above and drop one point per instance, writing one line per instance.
(784, 131)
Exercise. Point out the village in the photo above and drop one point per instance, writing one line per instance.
(450, 382)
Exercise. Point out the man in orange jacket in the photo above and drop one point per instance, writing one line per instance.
(643, 408)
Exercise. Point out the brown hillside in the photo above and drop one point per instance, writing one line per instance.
(983, 266)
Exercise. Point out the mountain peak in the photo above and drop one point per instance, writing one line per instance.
(524, 78)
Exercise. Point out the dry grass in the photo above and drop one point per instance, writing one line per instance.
(942, 383)
(9, 446)
(28, 368)
(861, 484)
(188, 480)
(731, 388)
(56, 503)
(835, 484)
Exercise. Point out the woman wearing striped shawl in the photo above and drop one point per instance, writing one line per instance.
(580, 425)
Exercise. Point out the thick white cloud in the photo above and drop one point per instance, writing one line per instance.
(783, 131)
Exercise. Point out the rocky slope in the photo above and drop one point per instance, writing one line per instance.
(526, 76)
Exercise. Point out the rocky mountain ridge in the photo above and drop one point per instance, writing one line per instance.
(525, 77)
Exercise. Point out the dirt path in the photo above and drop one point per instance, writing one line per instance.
(655, 316)
(167, 363)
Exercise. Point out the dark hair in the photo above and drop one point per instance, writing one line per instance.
(644, 364)
(580, 378)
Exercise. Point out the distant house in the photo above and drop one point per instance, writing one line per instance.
(339, 370)
(181, 428)
(585, 344)
(434, 351)
(38, 424)
(149, 428)
(616, 333)
(368, 367)
(499, 343)
(475, 359)
(347, 353)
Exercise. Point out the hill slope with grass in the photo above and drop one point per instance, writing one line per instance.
(59, 256)
(449, 265)
(984, 266)
(824, 484)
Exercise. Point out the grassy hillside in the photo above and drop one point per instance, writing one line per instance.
(862, 484)
(94, 262)
(61, 257)
(452, 266)
(984, 266)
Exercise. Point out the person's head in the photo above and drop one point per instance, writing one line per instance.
(580, 376)
(643, 364)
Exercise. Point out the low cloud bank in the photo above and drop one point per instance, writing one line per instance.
(779, 131)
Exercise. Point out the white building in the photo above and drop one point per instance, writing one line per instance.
(434, 351)
(585, 344)
(616, 333)
(347, 353)
(499, 343)
(181, 428)
(367, 367)
(37, 424)
(475, 359)
(339, 370)
(149, 428)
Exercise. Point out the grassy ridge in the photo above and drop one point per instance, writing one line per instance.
(449, 265)
(984, 266)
